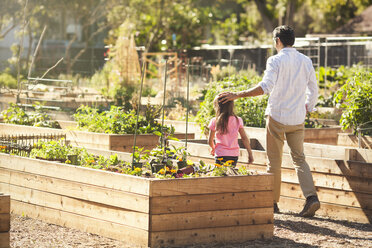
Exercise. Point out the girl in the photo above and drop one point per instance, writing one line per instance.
(226, 126)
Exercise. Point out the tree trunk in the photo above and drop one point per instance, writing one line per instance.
(265, 15)
(30, 41)
(290, 10)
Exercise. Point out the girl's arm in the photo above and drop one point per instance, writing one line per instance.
(211, 141)
(247, 145)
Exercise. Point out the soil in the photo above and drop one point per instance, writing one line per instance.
(289, 231)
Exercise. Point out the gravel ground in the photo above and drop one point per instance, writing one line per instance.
(289, 231)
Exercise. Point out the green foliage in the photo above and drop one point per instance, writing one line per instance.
(59, 151)
(327, 15)
(155, 21)
(140, 154)
(325, 100)
(115, 121)
(148, 91)
(7, 81)
(336, 77)
(114, 87)
(170, 161)
(312, 123)
(331, 79)
(355, 98)
(17, 115)
(53, 150)
(251, 109)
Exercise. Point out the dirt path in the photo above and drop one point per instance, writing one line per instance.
(289, 231)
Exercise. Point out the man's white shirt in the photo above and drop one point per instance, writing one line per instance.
(290, 80)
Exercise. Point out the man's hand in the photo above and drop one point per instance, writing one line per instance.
(225, 97)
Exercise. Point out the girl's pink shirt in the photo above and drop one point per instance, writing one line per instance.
(227, 144)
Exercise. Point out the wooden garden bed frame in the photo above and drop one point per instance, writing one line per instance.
(327, 135)
(116, 142)
(349, 139)
(343, 184)
(4, 220)
(141, 211)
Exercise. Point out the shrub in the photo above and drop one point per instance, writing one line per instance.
(251, 109)
(7, 81)
(336, 78)
(355, 98)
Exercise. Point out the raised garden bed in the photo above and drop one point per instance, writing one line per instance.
(4, 220)
(116, 142)
(348, 139)
(343, 186)
(327, 135)
(141, 211)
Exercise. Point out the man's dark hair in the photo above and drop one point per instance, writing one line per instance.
(285, 34)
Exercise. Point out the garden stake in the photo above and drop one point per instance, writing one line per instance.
(187, 101)
(138, 109)
(162, 118)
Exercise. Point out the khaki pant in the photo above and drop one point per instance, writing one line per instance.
(275, 133)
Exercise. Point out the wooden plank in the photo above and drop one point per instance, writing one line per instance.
(235, 234)
(362, 155)
(5, 240)
(337, 167)
(77, 206)
(13, 129)
(355, 184)
(112, 230)
(320, 150)
(5, 222)
(79, 174)
(208, 219)
(78, 190)
(328, 210)
(326, 165)
(4, 204)
(210, 202)
(317, 164)
(332, 166)
(210, 185)
(333, 196)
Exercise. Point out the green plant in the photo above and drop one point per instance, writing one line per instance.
(355, 98)
(115, 121)
(312, 123)
(140, 155)
(331, 79)
(252, 110)
(148, 91)
(166, 161)
(37, 118)
(7, 81)
(51, 150)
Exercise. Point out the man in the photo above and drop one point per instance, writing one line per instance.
(290, 80)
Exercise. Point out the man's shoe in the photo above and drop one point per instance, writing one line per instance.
(312, 204)
(276, 209)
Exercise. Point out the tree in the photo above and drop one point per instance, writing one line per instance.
(155, 20)
(326, 16)
(10, 16)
